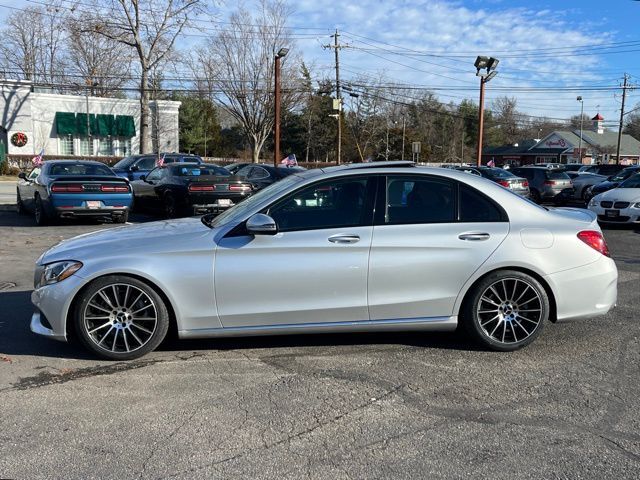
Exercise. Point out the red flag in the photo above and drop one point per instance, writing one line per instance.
(37, 160)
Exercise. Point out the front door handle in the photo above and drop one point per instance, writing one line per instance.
(344, 238)
(474, 236)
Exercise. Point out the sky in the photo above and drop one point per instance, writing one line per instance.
(550, 51)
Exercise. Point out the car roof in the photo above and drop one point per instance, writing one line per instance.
(76, 162)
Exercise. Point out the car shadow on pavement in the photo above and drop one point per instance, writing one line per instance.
(16, 337)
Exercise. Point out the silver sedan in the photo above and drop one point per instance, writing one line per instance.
(370, 247)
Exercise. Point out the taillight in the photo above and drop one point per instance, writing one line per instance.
(239, 188)
(595, 240)
(504, 183)
(201, 188)
(525, 183)
(114, 188)
(550, 182)
(67, 188)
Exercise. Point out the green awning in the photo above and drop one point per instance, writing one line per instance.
(105, 125)
(125, 126)
(81, 124)
(65, 123)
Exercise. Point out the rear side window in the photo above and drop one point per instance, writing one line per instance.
(419, 200)
(476, 207)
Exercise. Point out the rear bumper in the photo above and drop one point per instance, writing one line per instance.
(210, 208)
(587, 291)
(564, 194)
(75, 212)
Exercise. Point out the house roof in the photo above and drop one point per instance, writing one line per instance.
(598, 117)
(628, 144)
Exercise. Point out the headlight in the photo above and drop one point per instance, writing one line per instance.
(636, 205)
(593, 203)
(58, 271)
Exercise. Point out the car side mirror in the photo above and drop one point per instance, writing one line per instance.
(143, 178)
(261, 224)
(22, 175)
(134, 168)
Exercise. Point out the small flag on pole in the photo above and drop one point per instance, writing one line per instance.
(491, 163)
(290, 161)
(37, 160)
(160, 161)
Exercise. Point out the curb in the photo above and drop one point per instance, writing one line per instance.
(8, 207)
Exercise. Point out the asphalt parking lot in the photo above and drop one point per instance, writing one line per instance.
(327, 406)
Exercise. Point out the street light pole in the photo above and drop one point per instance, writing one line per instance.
(488, 63)
(404, 124)
(581, 120)
(276, 149)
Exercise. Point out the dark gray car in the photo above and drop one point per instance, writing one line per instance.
(547, 185)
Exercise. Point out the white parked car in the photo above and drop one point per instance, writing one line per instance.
(369, 247)
(619, 205)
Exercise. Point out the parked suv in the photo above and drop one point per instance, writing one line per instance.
(135, 166)
(546, 184)
(606, 169)
(502, 177)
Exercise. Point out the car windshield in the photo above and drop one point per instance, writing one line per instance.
(633, 182)
(58, 169)
(623, 175)
(199, 170)
(239, 210)
(499, 173)
(125, 162)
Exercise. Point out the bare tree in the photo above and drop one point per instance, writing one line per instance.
(31, 45)
(239, 63)
(150, 28)
(103, 64)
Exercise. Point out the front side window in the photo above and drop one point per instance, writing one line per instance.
(34, 173)
(331, 204)
(146, 163)
(258, 173)
(419, 200)
(155, 174)
(66, 145)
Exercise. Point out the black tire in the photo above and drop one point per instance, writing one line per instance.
(501, 333)
(123, 349)
(19, 205)
(171, 209)
(39, 212)
(121, 218)
(535, 196)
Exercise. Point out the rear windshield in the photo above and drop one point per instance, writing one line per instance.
(182, 158)
(499, 173)
(554, 175)
(197, 170)
(58, 169)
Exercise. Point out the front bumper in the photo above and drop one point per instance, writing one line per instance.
(611, 215)
(52, 303)
(587, 291)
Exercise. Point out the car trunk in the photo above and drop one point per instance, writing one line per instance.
(220, 190)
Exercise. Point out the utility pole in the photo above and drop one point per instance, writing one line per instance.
(624, 96)
(336, 46)
(276, 140)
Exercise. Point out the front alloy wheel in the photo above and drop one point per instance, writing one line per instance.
(121, 318)
(506, 310)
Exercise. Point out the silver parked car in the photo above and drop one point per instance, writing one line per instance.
(582, 183)
(369, 247)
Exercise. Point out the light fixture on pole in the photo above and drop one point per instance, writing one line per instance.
(276, 148)
(489, 64)
(579, 98)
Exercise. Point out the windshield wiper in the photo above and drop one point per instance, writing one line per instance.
(208, 219)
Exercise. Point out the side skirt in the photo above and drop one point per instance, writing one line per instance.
(434, 324)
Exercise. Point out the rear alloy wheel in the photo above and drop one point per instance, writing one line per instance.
(170, 206)
(506, 310)
(120, 318)
(39, 212)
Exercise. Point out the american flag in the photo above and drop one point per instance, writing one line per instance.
(37, 160)
(491, 163)
(290, 161)
(160, 161)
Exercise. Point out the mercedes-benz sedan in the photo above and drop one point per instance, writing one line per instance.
(372, 247)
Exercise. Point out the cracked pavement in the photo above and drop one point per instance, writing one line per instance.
(326, 406)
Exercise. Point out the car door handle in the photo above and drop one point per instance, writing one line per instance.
(474, 236)
(344, 238)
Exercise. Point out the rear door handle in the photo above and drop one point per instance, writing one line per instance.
(474, 236)
(344, 238)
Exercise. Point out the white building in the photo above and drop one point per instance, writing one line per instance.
(78, 125)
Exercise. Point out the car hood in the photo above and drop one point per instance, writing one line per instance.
(620, 194)
(147, 238)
